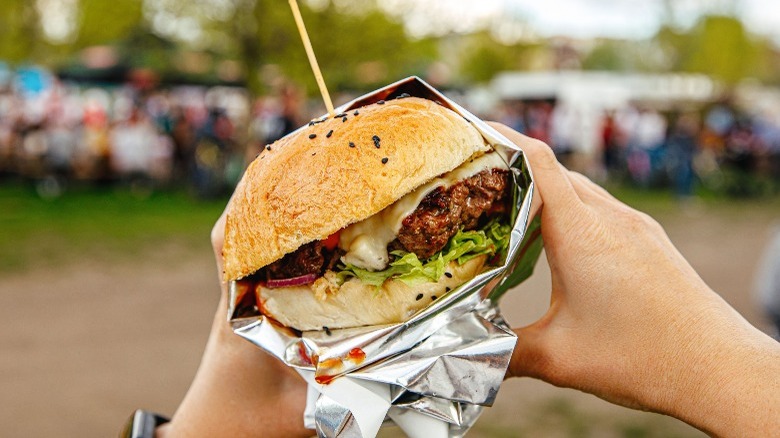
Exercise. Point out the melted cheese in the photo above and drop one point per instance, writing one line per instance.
(366, 242)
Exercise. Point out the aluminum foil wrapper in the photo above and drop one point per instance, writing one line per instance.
(431, 375)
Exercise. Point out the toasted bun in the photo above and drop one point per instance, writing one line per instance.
(304, 189)
(357, 304)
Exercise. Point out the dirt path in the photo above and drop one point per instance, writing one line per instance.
(85, 345)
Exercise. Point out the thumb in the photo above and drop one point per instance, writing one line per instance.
(531, 357)
(528, 359)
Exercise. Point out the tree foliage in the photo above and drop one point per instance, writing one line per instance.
(719, 46)
(483, 57)
(354, 50)
(358, 46)
(21, 36)
(106, 21)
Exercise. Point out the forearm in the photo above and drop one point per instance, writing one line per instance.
(729, 383)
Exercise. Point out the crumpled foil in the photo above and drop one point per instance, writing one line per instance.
(431, 375)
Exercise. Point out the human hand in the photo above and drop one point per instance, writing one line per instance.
(239, 390)
(630, 320)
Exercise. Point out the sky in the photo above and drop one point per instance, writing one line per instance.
(634, 19)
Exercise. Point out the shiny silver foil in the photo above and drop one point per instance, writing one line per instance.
(431, 375)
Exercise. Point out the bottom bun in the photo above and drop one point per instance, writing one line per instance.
(356, 304)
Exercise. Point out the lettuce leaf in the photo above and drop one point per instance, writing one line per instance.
(490, 240)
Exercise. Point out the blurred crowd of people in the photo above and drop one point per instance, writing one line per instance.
(203, 137)
(726, 148)
(186, 136)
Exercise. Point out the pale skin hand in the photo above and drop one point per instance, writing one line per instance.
(630, 321)
(239, 390)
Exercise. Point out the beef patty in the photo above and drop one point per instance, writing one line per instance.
(440, 215)
(444, 211)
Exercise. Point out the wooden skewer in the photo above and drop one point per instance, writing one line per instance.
(312, 59)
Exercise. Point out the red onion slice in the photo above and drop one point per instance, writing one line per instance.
(289, 282)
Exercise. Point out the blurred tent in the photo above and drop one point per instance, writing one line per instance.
(146, 59)
(608, 90)
(588, 95)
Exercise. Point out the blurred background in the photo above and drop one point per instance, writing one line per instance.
(124, 126)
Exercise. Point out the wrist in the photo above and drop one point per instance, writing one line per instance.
(240, 390)
(144, 424)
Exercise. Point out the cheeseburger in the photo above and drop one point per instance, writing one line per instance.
(367, 217)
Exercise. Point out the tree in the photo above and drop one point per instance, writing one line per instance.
(20, 32)
(721, 47)
(106, 22)
(263, 32)
(483, 57)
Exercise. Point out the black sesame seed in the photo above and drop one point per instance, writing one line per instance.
(419, 297)
(311, 123)
(268, 148)
(340, 115)
(313, 154)
(376, 140)
(384, 160)
(381, 102)
(329, 133)
(356, 112)
(327, 330)
(402, 95)
(352, 145)
(344, 119)
(447, 289)
(448, 274)
(433, 297)
(312, 135)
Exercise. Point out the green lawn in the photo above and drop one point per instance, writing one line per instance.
(97, 223)
(107, 223)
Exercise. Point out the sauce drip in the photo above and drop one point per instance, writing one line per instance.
(332, 365)
(324, 380)
(302, 352)
(356, 355)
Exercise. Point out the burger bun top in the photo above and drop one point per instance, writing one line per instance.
(326, 176)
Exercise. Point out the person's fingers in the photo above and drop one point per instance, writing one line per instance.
(550, 177)
(588, 191)
(593, 187)
(218, 241)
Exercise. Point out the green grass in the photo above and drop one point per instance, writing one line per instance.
(97, 223)
(109, 223)
(662, 202)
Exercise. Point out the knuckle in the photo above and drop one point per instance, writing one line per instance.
(639, 221)
(647, 219)
(635, 220)
(541, 155)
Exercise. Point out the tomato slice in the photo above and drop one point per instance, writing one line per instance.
(332, 241)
